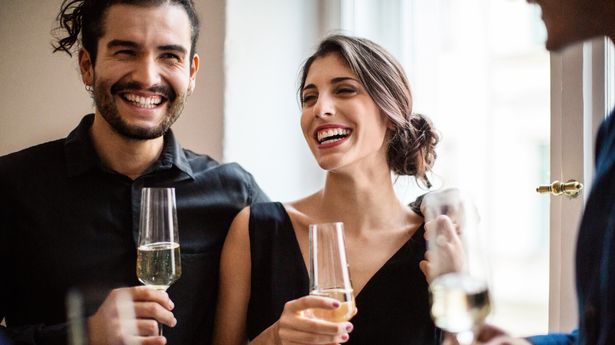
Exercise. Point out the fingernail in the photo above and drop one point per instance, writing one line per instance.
(336, 304)
(349, 327)
(171, 305)
(174, 322)
(344, 337)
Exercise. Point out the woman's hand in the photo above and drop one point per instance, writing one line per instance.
(298, 325)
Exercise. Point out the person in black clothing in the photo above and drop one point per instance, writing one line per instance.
(69, 208)
(357, 120)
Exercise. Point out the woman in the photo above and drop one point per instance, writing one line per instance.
(357, 121)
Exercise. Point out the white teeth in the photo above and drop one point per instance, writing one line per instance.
(143, 102)
(332, 134)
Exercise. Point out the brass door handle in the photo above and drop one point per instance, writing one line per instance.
(570, 189)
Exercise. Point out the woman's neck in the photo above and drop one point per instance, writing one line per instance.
(363, 201)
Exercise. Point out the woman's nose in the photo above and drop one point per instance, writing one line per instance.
(324, 106)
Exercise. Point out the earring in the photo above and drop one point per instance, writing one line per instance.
(89, 88)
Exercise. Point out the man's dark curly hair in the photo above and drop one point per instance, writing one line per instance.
(81, 21)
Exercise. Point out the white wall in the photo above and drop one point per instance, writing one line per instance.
(266, 43)
(42, 95)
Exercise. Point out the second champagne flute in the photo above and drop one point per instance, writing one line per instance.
(329, 276)
(158, 256)
(459, 289)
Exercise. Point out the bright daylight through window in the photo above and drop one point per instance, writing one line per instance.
(480, 71)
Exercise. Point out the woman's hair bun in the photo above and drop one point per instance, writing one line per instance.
(412, 148)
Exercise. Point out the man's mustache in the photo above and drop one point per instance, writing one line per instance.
(161, 89)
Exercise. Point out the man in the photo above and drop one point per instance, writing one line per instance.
(567, 22)
(69, 208)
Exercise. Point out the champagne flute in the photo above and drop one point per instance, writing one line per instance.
(158, 256)
(329, 276)
(459, 272)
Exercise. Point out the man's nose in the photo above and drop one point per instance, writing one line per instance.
(147, 72)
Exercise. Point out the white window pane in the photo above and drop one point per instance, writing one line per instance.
(480, 71)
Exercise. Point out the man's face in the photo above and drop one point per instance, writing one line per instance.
(143, 72)
(569, 21)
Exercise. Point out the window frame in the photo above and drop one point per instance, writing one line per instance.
(579, 84)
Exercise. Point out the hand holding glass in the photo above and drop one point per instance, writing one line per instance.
(459, 273)
(158, 257)
(329, 276)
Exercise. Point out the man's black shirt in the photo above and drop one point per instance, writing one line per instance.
(68, 222)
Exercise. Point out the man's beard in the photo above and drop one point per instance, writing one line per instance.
(104, 93)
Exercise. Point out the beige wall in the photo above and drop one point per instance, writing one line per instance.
(42, 97)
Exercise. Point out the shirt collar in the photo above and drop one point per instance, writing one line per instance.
(78, 148)
(174, 155)
(81, 155)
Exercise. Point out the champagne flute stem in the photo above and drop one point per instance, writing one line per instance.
(163, 289)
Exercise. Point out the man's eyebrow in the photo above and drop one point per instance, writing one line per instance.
(173, 47)
(130, 44)
(122, 43)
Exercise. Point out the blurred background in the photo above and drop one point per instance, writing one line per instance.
(477, 67)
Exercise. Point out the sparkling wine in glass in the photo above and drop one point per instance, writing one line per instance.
(329, 276)
(459, 271)
(158, 256)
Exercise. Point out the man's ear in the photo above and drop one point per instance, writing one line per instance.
(86, 67)
(194, 68)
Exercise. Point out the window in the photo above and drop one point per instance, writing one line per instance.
(480, 71)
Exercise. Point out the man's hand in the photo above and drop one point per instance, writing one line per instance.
(488, 335)
(450, 202)
(110, 326)
(445, 253)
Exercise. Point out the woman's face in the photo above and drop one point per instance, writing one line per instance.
(340, 121)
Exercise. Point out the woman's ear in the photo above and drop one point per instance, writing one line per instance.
(390, 125)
